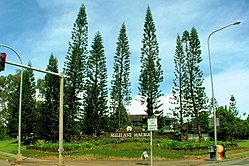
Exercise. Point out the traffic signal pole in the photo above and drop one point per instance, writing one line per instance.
(19, 155)
(61, 161)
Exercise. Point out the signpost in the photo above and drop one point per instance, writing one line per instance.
(211, 122)
(152, 126)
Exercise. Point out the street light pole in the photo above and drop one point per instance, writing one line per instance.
(61, 160)
(19, 155)
(211, 75)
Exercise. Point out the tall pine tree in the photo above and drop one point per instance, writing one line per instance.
(151, 73)
(120, 89)
(96, 113)
(232, 106)
(235, 121)
(179, 82)
(196, 100)
(29, 114)
(75, 69)
(50, 107)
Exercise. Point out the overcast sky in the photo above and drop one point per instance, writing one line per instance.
(37, 28)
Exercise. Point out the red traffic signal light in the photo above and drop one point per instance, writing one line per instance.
(2, 61)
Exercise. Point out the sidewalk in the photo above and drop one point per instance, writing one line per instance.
(38, 162)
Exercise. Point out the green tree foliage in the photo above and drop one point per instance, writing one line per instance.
(229, 123)
(50, 107)
(179, 82)
(231, 126)
(211, 105)
(232, 106)
(244, 129)
(13, 108)
(29, 114)
(120, 116)
(234, 110)
(75, 69)
(9, 86)
(151, 74)
(96, 113)
(120, 89)
(40, 84)
(28, 108)
(194, 94)
(3, 107)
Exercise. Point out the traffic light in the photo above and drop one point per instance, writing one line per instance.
(2, 61)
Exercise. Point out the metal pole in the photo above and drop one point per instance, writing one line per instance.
(151, 149)
(212, 93)
(33, 68)
(212, 84)
(61, 162)
(19, 155)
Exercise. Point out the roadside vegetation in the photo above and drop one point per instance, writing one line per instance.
(114, 149)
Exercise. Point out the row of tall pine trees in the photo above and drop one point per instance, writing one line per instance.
(86, 106)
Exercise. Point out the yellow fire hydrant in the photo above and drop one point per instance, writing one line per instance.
(220, 150)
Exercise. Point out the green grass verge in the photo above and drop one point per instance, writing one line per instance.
(115, 149)
(9, 146)
(243, 144)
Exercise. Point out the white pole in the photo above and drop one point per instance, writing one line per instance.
(212, 84)
(19, 155)
(61, 162)
(151, 149)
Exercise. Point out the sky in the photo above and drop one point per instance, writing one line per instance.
(37, 28)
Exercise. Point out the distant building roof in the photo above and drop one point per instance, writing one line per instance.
(138, 118)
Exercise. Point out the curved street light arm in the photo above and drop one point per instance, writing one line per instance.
(211, 76)
(2, 45)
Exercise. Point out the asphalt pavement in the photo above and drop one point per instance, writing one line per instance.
(38, 162)
(197, 162)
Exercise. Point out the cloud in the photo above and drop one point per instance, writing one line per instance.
(233, 82)
(137, 108)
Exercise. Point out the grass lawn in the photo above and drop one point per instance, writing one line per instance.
(241, 152)
(9, 146)
(244, 144)
(118, 150)
(124, 150)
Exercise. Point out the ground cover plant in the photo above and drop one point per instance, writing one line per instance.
(106, 148)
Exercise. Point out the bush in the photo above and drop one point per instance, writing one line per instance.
(46, 146)
(130, 143)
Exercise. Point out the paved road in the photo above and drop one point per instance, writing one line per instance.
(242, 162)
(4, 163)
(238, 162)
(35, 162)
(30, 162)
